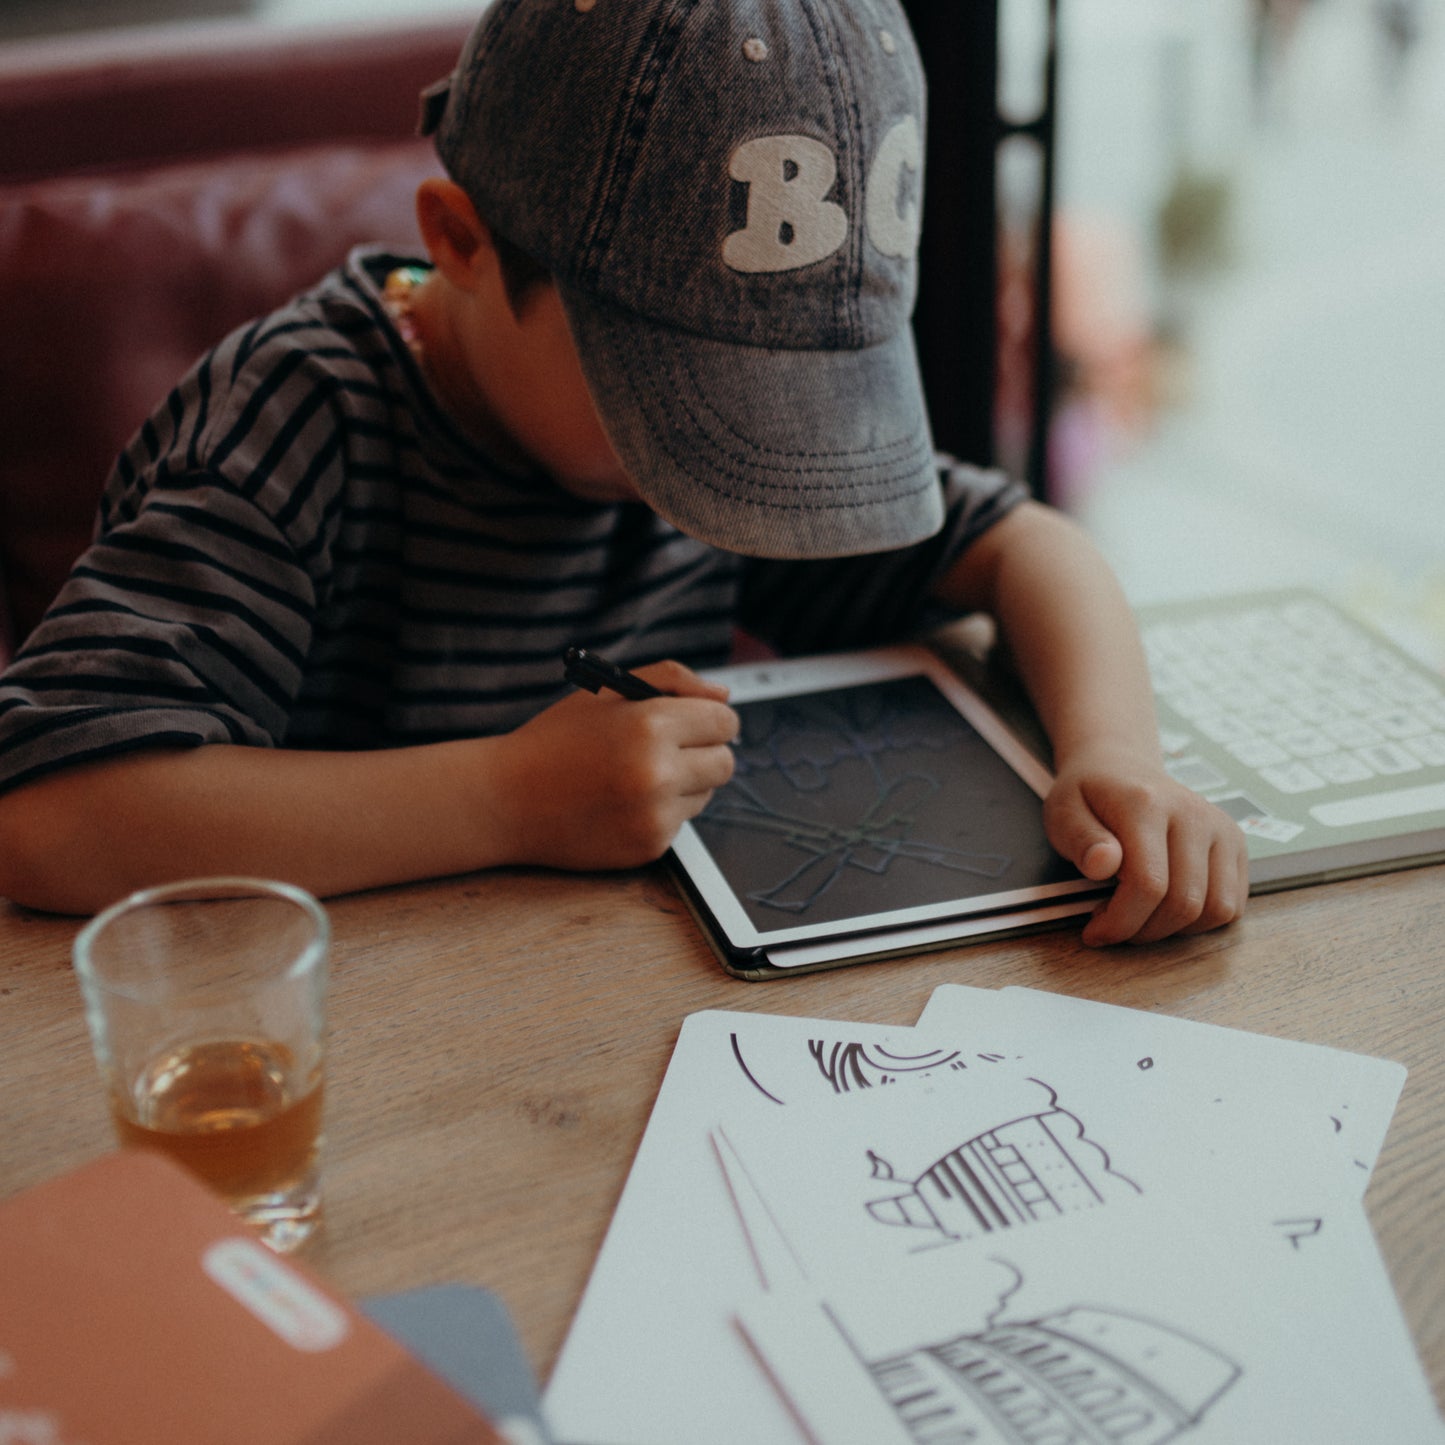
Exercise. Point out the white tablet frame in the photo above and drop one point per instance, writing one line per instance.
(796, 677)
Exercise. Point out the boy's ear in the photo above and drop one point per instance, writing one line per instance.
(457, 239)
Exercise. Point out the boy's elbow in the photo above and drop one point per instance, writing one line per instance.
(37, 870)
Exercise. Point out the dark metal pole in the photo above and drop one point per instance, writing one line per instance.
(955, 323)
(1043, 398)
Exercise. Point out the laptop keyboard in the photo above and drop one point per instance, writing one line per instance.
(1305, 699)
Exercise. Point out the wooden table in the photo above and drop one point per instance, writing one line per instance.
(498, 1040)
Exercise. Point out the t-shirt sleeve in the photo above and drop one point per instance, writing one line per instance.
(187, 622)
(865, 601)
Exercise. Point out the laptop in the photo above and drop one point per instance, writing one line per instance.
(1321, 738)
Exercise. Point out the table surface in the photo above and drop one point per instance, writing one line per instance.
(498, 1040)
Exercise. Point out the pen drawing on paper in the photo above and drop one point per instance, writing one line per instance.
(1025, 1170)
(1086, 1375)
(846, 1066)
(1021, 1169)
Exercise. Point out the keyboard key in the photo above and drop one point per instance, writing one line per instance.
(1433, 713)
(1389, 758)
(1354, 733)
(1258, 752)
(1190, 702)
(1195, 772)
(1412, 688)
(1306, 742)
(1373, 807)
(1292, 778)
(1235, 696)
(1272, 721)
(1401, 724)
(1359, 699)
(1223, 727)
(1318, 709)
(1342, 768)
(1429, 748)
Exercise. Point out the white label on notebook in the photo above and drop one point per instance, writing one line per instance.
(284, 1302)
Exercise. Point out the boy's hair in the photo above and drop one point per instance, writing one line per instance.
(727, 196)
(521, 273)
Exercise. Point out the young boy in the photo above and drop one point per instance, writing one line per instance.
(657, 380)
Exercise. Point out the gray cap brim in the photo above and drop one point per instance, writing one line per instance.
(770, 453)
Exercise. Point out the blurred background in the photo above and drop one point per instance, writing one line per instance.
(1249, 305)
(1249, 282)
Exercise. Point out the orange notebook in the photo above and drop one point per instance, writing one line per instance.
(136, 1308)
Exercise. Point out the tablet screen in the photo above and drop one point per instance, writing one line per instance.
(861, 805)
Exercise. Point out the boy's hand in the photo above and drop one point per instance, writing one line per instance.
(597, 781)
(1181, 863)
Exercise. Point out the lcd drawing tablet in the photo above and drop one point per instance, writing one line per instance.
(877, 806)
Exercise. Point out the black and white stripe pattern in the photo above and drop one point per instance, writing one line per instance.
(299, 549)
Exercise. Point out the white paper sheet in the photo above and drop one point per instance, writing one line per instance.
(653, 1356)
(984, 1151)
(655, 1353)
(1153, 1323)
(1141, 1067)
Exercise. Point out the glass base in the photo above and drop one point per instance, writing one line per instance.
(285, 1222)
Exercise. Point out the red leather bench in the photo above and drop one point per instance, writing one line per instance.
(156, 190)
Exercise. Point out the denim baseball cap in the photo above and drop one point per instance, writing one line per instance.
(727, 194)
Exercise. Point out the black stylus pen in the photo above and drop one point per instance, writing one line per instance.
(587, 669)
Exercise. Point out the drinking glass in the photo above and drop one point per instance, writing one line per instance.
(206, 1006)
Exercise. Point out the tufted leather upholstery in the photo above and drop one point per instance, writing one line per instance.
(156, 191)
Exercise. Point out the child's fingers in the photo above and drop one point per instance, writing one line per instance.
(708, 768)
(1228, 886)
(1078, 834)
(1187, 896)
(1143, 883)
(1101, 858)
(672, 677)
(1202, 883)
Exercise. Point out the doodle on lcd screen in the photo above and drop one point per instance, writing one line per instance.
(862, 800)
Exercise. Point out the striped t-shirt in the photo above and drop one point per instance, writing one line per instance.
(300, 549)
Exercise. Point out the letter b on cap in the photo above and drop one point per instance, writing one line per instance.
(789, 223)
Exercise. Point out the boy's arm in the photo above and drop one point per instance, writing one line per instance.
(591, 782)
(1113, 811)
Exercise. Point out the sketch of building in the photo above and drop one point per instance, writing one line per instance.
(1084, 1376)
(1034, 1168)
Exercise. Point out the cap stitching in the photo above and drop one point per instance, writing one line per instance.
(659, 44)
(700, 414)
(843, 109)
(889, 477)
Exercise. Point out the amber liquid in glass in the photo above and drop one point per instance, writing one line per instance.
(227, 1113)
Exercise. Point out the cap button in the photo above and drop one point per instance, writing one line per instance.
(754, 48)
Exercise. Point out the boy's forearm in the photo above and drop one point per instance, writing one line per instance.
(1068, 627)
(330, 822)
